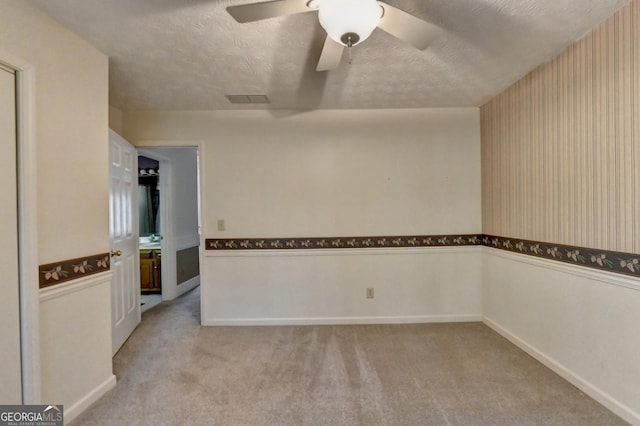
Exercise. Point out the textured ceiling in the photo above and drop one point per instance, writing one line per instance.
(187, 54)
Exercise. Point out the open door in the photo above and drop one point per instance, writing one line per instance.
(10, 364)
(123, 219)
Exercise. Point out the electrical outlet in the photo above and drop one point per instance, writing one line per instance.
(220, 224)
(370, 293)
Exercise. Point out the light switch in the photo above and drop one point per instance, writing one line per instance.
(220, 224)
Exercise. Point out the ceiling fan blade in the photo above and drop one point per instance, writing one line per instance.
(269, 9)
(330, 56)
(407, 27)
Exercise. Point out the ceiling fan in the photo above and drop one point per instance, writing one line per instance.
(347, 23)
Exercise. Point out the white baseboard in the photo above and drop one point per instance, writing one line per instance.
(587, 387)
(416, 319)
(184, 287)
(76, 409)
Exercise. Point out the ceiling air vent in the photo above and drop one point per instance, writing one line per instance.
(248, 99)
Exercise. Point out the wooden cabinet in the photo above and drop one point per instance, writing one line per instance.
(150, 271)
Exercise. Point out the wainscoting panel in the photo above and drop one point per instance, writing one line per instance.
(330, 286)
(581, 323)
(561, 148)
(75, 342)
(187, 264)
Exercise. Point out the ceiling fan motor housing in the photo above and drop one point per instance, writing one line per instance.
(350, 39)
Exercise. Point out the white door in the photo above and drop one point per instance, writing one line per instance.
(125, 258)
(10, 365)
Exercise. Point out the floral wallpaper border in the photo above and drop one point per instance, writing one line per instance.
(67, 270)
(604, 260)
(342, 242)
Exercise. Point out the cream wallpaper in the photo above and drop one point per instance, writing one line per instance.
(561, 148)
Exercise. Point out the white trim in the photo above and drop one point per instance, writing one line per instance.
(7, 68)
(168, 143)
(201, 172)
(169, 266)
(28, 205)
(188, 285)
(150, 153)
(580, 271)
(412, 319)
(74, 286)
(30, 309)
(86, 401)
(584, 385)
(342, 252)
(200, 146)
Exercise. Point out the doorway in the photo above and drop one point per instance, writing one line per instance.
(169, 222)
(20, 304)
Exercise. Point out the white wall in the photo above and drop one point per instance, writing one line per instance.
(70, 104)
(71, 131)
(330, 172)
(326, 174)
(581, 323)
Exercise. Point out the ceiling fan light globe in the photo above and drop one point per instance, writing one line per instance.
(340, 17)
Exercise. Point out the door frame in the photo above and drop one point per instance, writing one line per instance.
(27, 227)
(148, 146)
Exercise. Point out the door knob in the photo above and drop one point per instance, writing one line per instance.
(116, 253)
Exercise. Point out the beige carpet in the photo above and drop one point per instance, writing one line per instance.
(174, 372)
(149, 301)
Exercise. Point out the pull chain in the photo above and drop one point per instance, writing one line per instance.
(348, 40)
